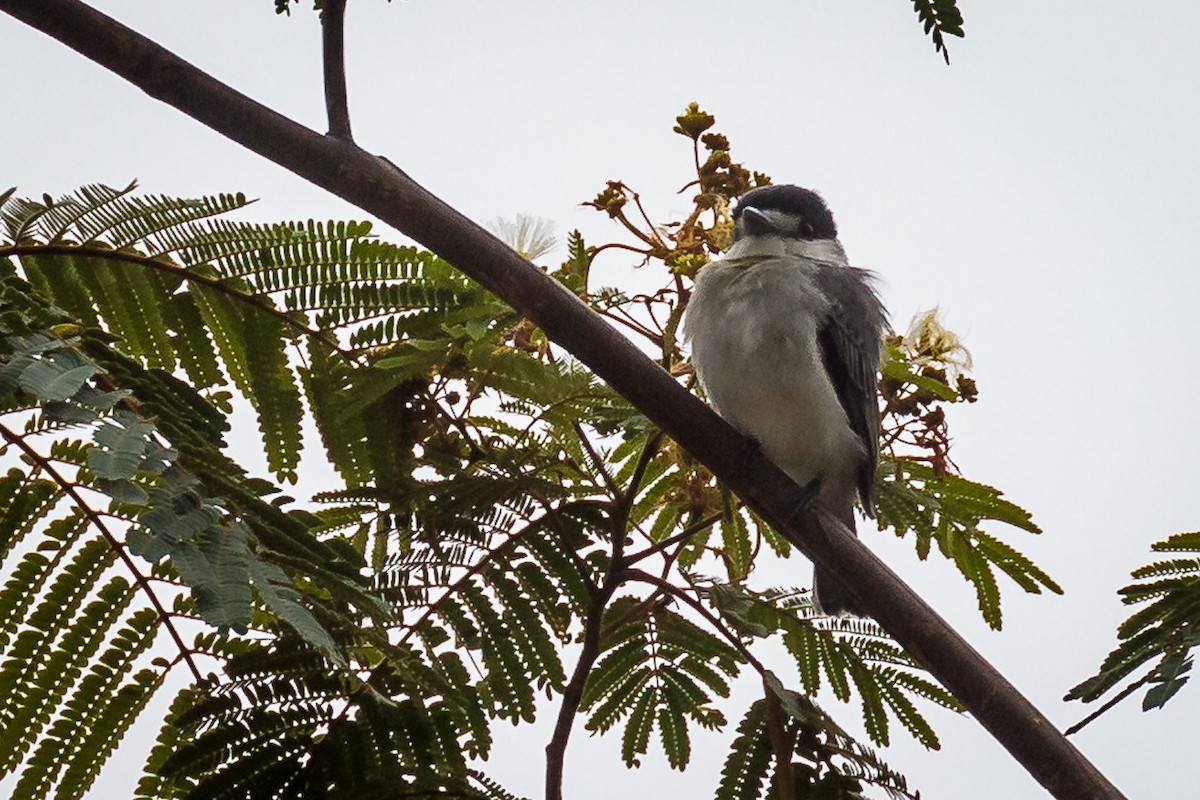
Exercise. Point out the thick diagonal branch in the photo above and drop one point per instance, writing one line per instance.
(385, 191)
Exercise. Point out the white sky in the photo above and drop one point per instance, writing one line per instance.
(1041, 190)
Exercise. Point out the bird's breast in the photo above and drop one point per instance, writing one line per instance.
(753, 331)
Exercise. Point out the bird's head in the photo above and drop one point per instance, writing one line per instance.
(785, 211)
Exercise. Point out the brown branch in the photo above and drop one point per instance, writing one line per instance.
(556, 750)
(381, 189)
(142, 581)
(333, 57)
(785, 779)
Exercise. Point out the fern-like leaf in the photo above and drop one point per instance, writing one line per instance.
(1163, 631)
(940, 18)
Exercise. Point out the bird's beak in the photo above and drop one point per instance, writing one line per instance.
(756, 223)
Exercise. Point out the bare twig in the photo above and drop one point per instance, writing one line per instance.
(381, 189)
(556, 750)
(632, 324)
(333, 56)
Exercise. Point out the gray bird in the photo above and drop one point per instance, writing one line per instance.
(786, 337)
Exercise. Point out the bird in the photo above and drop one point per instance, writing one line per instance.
(785, 339)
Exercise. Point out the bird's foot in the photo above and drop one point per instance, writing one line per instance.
(749, 451)
(808, 495)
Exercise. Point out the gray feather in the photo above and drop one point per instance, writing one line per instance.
(850, 340)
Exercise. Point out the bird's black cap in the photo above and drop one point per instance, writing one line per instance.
(815, 220)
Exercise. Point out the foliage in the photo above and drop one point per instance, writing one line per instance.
(827, 762)
(153, 479)
(491, 504)
(939, 18)
(917, 487)
(1165, 628)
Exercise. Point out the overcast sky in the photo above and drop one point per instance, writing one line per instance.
(1041, 190)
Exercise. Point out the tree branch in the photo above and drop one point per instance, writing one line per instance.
(785, 779)
(379, 188)
(333, 57)
(556, 750)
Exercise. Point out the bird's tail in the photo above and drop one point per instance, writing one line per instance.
(831, 595)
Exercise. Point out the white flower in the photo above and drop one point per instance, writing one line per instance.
(929, 340)
(532, 237)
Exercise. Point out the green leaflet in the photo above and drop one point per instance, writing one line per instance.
(949, 510)
(845, 652)
(657, 672)
(99, 712)
(211, 555)
(281, 713)
(488, 493)
(74, 631)
(171, 279)
(940, 18)
(1161, 633)
(825, 761)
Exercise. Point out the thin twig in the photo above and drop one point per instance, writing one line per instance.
(637, 200)
(682, 536)
(573, 692)
(785, 779)
(333, 57)
(633, 325)
(595, 251)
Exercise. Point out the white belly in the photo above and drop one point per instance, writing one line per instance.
(754, 345)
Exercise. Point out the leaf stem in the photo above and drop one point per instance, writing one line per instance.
(679, 594)
(142, 581)
(218, 284)
(682, 536)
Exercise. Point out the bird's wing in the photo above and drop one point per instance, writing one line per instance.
(850, 339)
